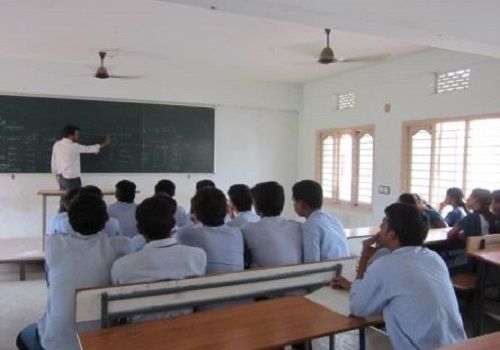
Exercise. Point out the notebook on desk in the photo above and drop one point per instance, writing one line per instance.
(336, 300)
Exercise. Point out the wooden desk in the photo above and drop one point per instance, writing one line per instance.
(358, 232)
(266, 324)
(485, 257)
(21, 251)
(485, 342)
(55, 193)
(435, 235)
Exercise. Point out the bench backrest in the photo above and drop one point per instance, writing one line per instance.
(99, 303)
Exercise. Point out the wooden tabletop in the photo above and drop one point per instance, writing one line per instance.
(489, 255)
(485, 342)
(21, 249)
(266, 324)
(62, 192)
(435, 234)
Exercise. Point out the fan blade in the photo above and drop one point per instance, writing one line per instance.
(363, 59)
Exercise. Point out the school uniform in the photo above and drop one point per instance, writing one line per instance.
(454, 216)
(272, 241)
(181, 216)
(323, 238)
(162, 259)
(412, 288)
(243, 218)
(58, 224)
(111, 228)
(222, 244)
(125, 214)
(74, 261)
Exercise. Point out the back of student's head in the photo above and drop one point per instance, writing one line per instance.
(69, 130)
(165, 187)
(92, 190)
(407, 198)
(155, 217)
(407, 222)
(204, 183)
(483, 198)
(125, 191)
(241, 197)
(87, 214)
(309, 192)
(495, 195)
(268, 198)
(209, 206)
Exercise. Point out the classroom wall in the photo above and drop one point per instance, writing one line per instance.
(255, 135)
(408, 85)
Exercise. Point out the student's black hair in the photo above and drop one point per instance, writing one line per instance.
(205, 183)
(241, 197)
(495, 195)
(409, 225)
(484, 198)
(155, 217)
(69, 130)
(87, 214)
(268, 198)
(125, 191)
(309, 192)
(407, 198)
(165, 187)
(458, 197)
(91, 189)
(209, 206)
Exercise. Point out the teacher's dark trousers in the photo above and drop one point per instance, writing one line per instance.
(67, 185)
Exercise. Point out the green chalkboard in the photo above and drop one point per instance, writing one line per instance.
(146, 138)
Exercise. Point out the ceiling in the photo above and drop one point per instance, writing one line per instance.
(238, 40)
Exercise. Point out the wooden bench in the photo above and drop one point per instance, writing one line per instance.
(111, 302)
(21, 251)
(485, 342)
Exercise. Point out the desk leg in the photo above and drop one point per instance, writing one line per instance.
(44, 220)
(479, 299)
(332, 341)
(22, 271)
(362, 339)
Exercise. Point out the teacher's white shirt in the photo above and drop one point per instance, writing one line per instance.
(66, 157)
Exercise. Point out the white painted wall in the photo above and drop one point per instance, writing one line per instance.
(255, 135)
(408, 85)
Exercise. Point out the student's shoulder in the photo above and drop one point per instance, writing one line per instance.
(191, 251)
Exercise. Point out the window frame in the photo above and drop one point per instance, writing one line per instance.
(409, 128)
(356, 133)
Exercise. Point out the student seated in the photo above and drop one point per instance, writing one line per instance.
(323, 236)
(60, 219)
(273, 240)
(455, 198)
(124, 208)
(162, 258)
(223, 244)
(112, 226)
(167, 188)
(495, 209)
(435, 219)
(205, 183)
(477, 223)
(82, 259)
(240, 206)
(410, 286)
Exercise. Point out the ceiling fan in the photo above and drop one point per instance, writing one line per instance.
(327, 55)
(102, 72)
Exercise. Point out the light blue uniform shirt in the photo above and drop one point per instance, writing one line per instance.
(125, 214)
(223, 245)
(243, 218)
(412, 288)
(323, 238)
(273, 241)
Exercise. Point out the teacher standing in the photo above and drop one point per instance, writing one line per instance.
(66, 157)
